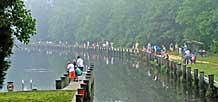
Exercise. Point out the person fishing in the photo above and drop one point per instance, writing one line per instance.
(80, 63)
(70, 68)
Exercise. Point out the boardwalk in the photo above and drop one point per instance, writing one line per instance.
(75, 85)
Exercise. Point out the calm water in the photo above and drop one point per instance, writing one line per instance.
(128, 80)
(117, 79)
(41, 66)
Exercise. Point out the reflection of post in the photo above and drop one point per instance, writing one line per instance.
(31, 84)
(201, 85)
(22, 85)
(137, 65)
(112, 60)
(107, 60)
(184, 73)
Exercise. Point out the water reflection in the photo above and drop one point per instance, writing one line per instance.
(36, 68)
(117, 78)
(130, 80)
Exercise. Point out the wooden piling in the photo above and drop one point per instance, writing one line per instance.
(171, 66)
(184, 72)
(86, 81)
(168, 65)
(189, 75)
(81, 91)
(88, 77)
(58, 84)
(211, 88)
(202, 85)
(174, 70)
(196, 80)
(67, 79)
(63, 81)
(179, 72)
(79, 98)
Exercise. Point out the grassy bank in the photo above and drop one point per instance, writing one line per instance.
(37, 96)
(207, 64)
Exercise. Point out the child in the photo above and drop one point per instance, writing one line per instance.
(78, 72)
(71, 70)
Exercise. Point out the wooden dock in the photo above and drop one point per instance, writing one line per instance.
(74, 85)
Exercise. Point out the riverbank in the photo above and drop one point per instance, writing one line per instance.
(207, 64)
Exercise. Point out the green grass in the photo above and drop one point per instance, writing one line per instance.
(213, 58)
(207, 64)
(37, 96)
(207, 68)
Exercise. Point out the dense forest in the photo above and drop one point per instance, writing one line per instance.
(128, 21)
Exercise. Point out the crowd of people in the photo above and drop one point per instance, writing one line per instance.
(75, 68)
(188, 56)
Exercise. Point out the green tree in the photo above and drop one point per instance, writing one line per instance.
(16, 22)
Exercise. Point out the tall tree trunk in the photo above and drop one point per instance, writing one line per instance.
(6, 44)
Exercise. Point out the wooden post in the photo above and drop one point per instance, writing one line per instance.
(174, 70)
(168, 65)
(86, 81)
(81, 91)
(88, 77)
(196, 77)
(171, 66)
(89, 71)
(159, 62)
(58, 84)
(189, 75)
(67, 80)
(179, 72)
(201, 85)
(79, 98)
(211, 90)
(62, 82)
(184, 72)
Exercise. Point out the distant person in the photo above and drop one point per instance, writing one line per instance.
(80, 63)
(185, 47)
(180, 51)
(74, 63)
(78, 73)
(187, 57)
(112, 44)
(164, 48)
(70, 68)
(171, 47)
(193, 58)
(136, 45)
(176, 46)
(166, 56)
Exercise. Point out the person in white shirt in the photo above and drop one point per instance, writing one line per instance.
(80, 63)
(70, 68)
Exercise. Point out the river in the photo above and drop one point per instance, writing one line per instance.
(117, 78)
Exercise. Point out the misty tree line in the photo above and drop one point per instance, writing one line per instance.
(128, 21)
